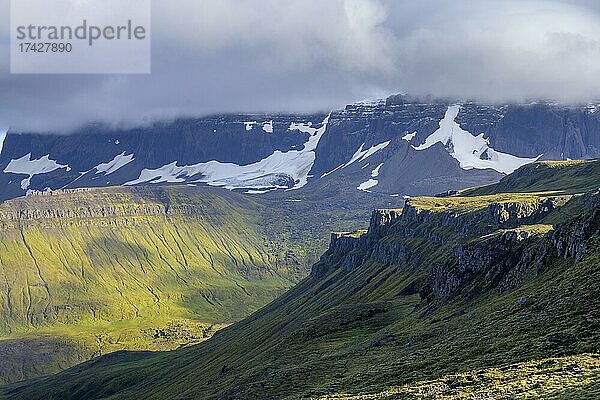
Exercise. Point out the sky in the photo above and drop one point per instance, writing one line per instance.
(212, 56)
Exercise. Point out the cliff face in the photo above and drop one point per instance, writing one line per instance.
(127, 255)
(532, 129)
(571, 240)
(498, 245)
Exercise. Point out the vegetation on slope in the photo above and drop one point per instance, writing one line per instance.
(569, 377)
(430, 301)
(87, 272)
(565, 177)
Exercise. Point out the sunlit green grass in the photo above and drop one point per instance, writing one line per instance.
(101, 269)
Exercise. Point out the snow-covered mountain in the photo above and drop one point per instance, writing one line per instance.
(398, 146)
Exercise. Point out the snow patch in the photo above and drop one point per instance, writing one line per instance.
(302, 127)
(259, 191)
(471, 151)
(118, 162)
(169, 173)
(375, 172)
(409, 136)
(268, 126)
(267, 173)
(249, 125)
(371, 182)
(26, 166)
(368, 185)
(332, 171)
(361, 155)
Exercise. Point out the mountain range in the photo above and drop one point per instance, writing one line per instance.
(401, 146)
(209, 240)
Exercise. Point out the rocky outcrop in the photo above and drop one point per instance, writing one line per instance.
(497, 246)
(524, 213)
(502, 261)
(571, 240)
(436, 226)
(506, 260)
(343, 243)
(346, 249)
(381, 219)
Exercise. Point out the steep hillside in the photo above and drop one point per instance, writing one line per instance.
(489, 296)
(89, 271)
(557, 176)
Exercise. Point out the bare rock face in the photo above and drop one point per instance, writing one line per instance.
(343, 243)
(570, 241)
(503, 262)
(530, 130)
(347, 249)
(514, 213)
(380, 219)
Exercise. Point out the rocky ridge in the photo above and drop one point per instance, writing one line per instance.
(500, 245)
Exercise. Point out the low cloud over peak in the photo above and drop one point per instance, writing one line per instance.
(306, 55)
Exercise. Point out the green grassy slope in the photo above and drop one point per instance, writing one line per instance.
(485, 296)
(87, 272)
(575, 176)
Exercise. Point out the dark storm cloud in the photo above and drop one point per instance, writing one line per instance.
(305, 55)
